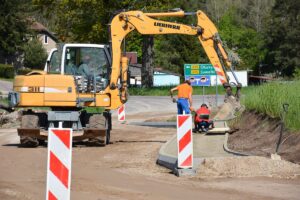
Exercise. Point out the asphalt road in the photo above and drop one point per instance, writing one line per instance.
(5, 86)
(164, 104)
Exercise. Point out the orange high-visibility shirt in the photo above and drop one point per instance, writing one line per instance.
(184, 90)
(202, 114)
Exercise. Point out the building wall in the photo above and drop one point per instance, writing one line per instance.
(165, 80)
(48, 46)
(241, 75)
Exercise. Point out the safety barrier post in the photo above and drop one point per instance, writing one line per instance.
(59, 164)
(121, 113)
(184, 141)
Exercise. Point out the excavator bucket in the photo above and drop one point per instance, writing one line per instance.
(229, 109)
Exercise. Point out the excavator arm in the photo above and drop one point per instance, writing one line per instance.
(147, 24)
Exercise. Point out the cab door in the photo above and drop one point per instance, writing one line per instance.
(59, 89)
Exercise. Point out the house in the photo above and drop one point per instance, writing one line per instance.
(47, 38)
(135, 71)
(163, 77)
(241, 75)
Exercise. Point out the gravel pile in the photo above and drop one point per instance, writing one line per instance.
(252, 166)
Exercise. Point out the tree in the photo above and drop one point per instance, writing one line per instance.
(13, 29)
(77, 21)
(87, 21)
(244, 40)
(34, 55)
(283, 36)
(173, 51)
(147, 61)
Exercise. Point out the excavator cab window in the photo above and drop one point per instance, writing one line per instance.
(54, 64)
(89, 66)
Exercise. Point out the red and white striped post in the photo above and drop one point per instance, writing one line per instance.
(59, 163)
(121, 113)
(184, 141)
(220, 74)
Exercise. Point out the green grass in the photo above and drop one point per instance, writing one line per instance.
(4, 101)
(7, 79)
(165, 91)
(269, 98)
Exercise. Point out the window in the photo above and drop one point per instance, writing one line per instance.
(45, 39)
(54, 67)
(89, 66)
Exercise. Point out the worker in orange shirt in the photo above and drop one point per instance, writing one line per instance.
(184, 102)
(201, 120)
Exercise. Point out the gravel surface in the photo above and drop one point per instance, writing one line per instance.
(250, 166)
(126, 169)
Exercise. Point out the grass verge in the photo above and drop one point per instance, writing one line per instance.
(269, 98)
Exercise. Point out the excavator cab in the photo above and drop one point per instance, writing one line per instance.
(89, 64)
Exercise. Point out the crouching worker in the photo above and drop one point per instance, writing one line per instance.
(201, 120)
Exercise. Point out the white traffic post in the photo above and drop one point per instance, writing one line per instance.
(121, 113)
(59, 164)
(184, 141)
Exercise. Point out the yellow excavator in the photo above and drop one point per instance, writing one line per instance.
(78, 76)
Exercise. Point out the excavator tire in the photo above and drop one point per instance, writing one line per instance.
(98, 121)
(29, 121)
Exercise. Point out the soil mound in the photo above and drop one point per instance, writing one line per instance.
(257, 134)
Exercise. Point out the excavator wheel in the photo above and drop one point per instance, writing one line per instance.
(29, 121)
(98, 121)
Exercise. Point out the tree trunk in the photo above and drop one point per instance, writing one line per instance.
(147, 61)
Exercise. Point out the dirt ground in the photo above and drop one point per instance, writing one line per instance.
(126, 169)
(258, 134)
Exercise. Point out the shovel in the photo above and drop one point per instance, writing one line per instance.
(276, 156)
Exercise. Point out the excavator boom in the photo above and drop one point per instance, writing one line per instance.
(147, 24)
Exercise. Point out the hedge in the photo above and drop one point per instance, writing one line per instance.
(24, 71)
(7, 71)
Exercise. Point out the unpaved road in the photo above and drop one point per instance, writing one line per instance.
(126, 169)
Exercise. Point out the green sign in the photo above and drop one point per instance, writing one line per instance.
(199, 69)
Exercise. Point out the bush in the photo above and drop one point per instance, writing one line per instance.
(34, 55)
(6, 71)
(24, 71)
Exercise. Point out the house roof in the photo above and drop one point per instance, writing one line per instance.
(40, 28)
(161, 70)
(136, 70)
